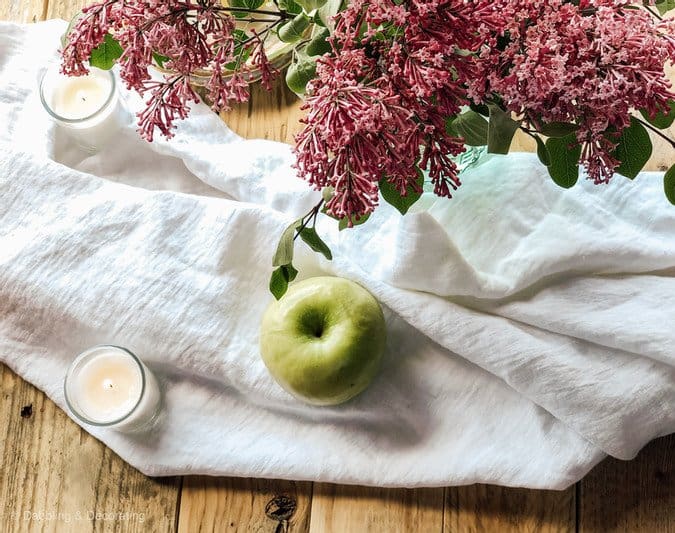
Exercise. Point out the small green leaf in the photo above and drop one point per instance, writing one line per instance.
(344, 223)
(319, 45)
(661, 121)
(328, 11)
(634, 149)
(289, 6)
(669, 184)
(564, 153)
(245, 4)
(311, 237)
(665, 5)
(311, 5)
(542, 151)
(501, 130)
(106, 54)
(558, 129)
(392, 196)
(284, 252)
(471, 126)
(280, 279)
(300, 72)
(160, 59)
(294, 29)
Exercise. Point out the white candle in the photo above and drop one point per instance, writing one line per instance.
(86, 107)
(109, 386)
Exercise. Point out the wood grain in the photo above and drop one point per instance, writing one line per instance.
(485, 508)
(639, 495)
(339, 508)
(238, 505)
(65, 9)
(57, 477)
(23, 10)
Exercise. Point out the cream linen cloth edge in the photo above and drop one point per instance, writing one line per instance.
(518, 356)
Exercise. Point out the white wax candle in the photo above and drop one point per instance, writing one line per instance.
(108, 386)
(87, 107)
(80, 97)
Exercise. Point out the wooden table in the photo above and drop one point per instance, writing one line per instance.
(56, 477)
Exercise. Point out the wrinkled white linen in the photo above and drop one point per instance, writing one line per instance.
(530, 328)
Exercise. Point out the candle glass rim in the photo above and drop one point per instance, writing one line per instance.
(78, 414)
(54, 114)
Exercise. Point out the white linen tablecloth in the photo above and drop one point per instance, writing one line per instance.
(530, 328)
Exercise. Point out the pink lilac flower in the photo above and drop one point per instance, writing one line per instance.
(190, 36)
(590, 64)
(377, 108)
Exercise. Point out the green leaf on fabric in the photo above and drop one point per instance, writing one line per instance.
(392, 196)
(633, 150)
(284, 252)
(106, 54)
(665, 5)
(669, 184)
(289, 6)
(311, 5)
(661, 120)
(471, 126)
(564, 153)
(311, 237)
(280, 279)
(501, 130)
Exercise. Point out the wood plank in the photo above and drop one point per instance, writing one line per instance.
(340, 508)
(23, 10)
(273, 115)
(239, 505)
(631, 496)
(57, 477)
(487, 508)
(65, 9)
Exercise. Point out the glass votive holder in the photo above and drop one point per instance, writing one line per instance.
(87, 108)
(108, 386)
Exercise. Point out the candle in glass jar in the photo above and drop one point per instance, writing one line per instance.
(86, 107)
(109, 386)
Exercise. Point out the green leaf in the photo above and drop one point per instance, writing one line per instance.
(661, 120)
(344, 222)
(328, 11)
(311, 237)
(501, 130)
(564, 153)
(665, 5)
(393, 197)
(280, 279)
(289, 6)
(542, 152)
(241, 52)
(245, 4)
(106, 54)
(634, 149)
(558, 129)
(294, 29)
(319, 45)
(160, 59)
(311, 5)
(471, 126)
(284, 252)
(669, 184)
(300, 72)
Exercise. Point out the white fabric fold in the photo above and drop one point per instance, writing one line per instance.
(529, 327)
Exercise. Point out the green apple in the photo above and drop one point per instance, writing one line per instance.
(323, 341)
